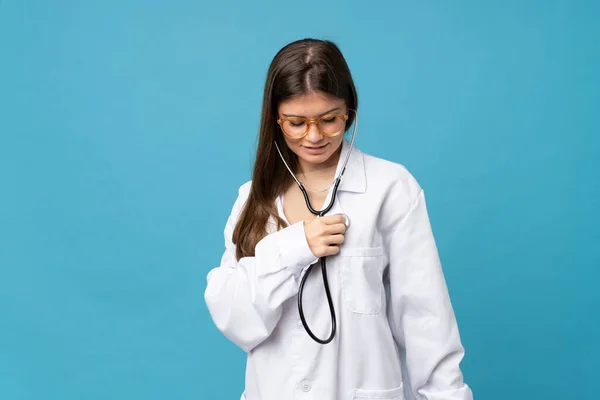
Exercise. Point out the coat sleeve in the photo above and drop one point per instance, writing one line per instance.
(420, 312)
(244, 297)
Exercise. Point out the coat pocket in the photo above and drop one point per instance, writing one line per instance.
(389, 394)
(361, 271)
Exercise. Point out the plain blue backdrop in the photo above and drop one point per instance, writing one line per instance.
(127, 126)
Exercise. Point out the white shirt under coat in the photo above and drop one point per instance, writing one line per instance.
(397, 336)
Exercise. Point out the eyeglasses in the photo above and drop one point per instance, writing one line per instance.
(329, 125)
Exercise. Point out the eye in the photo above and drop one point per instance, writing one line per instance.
(296, 122)
(328, 119)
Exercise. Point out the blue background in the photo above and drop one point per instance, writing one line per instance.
(127, 126)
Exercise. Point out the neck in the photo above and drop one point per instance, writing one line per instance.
(318, 177)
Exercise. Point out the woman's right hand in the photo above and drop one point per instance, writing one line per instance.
(325, 234)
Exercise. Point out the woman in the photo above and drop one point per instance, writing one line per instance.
(396, 333)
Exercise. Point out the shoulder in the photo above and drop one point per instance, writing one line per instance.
(390, 178)
(392, 188)
(244, 190)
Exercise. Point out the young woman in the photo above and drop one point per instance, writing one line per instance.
(379, 323)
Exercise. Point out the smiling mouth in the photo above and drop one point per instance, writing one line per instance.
(315, 147)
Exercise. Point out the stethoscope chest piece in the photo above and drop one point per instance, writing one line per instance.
(347, 221)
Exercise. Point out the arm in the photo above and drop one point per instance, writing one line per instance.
(421, 314)
(244, 297)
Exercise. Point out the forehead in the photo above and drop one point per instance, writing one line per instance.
(310, 105)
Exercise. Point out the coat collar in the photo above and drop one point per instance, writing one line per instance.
(354, 178)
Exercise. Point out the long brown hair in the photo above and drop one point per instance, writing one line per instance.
(301, 67)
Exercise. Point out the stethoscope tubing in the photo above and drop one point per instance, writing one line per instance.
(322, 260)
(323, 273)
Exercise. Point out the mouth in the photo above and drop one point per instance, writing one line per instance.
(315, 149)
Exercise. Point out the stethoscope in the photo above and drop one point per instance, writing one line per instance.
(335, 184)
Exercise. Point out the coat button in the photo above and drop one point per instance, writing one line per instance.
(305, 386)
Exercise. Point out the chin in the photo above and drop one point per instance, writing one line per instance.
(316, 159)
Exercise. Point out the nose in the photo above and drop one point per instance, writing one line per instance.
(314, 134)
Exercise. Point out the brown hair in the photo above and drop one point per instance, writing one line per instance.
(301, 67)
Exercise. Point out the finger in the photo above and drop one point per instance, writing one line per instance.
(333, 250)
(333, 219)
(330, 250)
(335, 229)
(334, 239)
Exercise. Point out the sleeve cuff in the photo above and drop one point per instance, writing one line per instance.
(286, 249)
(294, 250)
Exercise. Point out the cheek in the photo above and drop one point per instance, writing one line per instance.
(337, 141)
(292, 145)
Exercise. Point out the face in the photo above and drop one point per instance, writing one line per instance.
(315, 149)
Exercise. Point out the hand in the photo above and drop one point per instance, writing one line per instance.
(325, 234)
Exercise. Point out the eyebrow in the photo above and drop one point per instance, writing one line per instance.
(301, 116)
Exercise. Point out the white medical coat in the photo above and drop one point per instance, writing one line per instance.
(397, 335)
